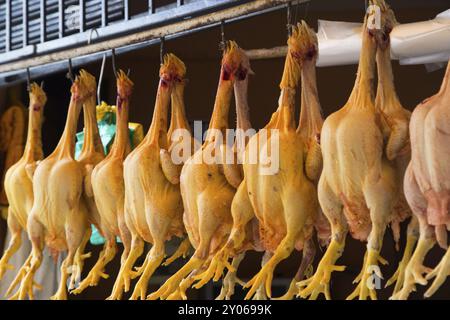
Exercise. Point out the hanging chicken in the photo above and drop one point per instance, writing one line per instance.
(59, 216)
(109, 191)
(427, 188)
(18, 179)
(245, 223)
(153, 205)
(12, 140)
(359, 186)
(287, 190)
(207, 193)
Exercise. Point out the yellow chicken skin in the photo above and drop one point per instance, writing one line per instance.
(153, 204)
(206, 192)
(109, 190)
(359, 185)
(285, 203)
(18, 178)
(12, 141)
(245, 224)
(426, 189)
(59, 216)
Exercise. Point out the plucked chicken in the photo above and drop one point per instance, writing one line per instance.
(427, 188)
(245, 224)
(274, 199)
(359, 186)
(109, 190)
(59, 216)
(207, 193)
(12, 140)
(285, 202)
(18, 179)
(153, 204)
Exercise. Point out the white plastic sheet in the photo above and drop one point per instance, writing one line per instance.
(425, 42)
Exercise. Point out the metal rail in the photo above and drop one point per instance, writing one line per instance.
(126, 33)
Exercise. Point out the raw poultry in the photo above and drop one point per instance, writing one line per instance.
(207, 193)
(285, 201)
(12, 140)
(275, 198)
(359, 185)
(245, 224)
(427, 188)
(109, 191)
(153, 204)
(59, 216)
(18, 179)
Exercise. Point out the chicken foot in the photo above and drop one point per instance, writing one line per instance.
(14, 244)
(309, 252)
(126, 273)
(320, 281)
(411, 239)
(98, 270)
(230, 280)
(79, 258)
(182, 251)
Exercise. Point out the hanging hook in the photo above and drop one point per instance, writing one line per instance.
(306, 10)
(90, 35)
(69, 74)
(161, 50)
(28, 79)
(113, 60)
(222, 31)
(100, 78)
(289, 19)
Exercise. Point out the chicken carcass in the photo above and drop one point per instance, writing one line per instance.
(285, 202)
(109, 190)
(18, 178)
(12, 139)
(245, 224)
(359, 185)
(427, 188)
(206, 191)
(153, 204)
(59, 216)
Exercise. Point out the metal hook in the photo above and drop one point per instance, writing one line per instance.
(100, 78)
(161, 50)
(222, 31)
(90, 35)
(306, 10)
(289, 19)
(113, 59)
(42, 84)
(28, 79)
(69, 74)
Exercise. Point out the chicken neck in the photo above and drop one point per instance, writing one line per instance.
(66, 145)
(386, 98)
(310, 123)
(121, 146)
(92, 142)
(178, 119)
(33, 146)
(445, 87)
(158, 128)
(219, 119)
(362, 96)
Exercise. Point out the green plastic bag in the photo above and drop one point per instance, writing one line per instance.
(106, 120)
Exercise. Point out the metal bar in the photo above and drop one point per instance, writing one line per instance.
(104, 13)
(24, 23)
(82, 11)
(277, 52)
(8, 25)
(151, 7)
(142, 39)
(43, 14)
(126, 11)
(60, 18)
